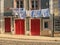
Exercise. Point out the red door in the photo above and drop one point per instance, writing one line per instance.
(35, 27)
(20, 26)
(7, 25)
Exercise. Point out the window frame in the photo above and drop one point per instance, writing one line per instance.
(36, 4)
(21, 4)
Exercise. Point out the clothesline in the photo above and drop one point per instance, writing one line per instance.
(34, 13)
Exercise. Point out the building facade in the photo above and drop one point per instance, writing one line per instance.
(56, 10)
(27, 26)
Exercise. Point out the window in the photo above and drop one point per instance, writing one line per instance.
(44, 4)
(34, 4)
(17, 4)
(20, 4)
(45, 24)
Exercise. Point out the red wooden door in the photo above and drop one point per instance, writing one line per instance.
(7, 25)
(20, 26)
(35, 27)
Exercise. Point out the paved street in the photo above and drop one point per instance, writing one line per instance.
(6, 39)
(27, 42)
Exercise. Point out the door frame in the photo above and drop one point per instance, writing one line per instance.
(30, 25)
(11, 22)
(14, 25)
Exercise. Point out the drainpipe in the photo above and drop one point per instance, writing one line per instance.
(53, 27)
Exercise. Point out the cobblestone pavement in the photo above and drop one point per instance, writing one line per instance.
(6, 39)
(10, 41)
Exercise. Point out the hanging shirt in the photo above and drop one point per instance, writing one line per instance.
(35, 13)
(45, 12)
